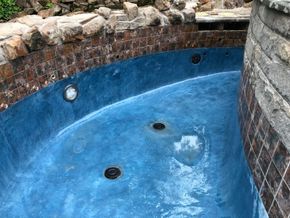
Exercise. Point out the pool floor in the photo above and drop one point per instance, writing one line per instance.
(194, 167)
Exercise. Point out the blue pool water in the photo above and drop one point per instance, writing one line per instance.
(195, 167)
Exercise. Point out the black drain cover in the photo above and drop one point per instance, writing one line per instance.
(195, 58)
(112, 172)
(159, 126)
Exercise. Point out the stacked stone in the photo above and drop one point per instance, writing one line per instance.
(30, 33)
(60, 7)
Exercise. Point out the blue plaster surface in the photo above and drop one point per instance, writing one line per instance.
(53, 153)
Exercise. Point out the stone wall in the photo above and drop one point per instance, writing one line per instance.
(47, 8)
(264, 104)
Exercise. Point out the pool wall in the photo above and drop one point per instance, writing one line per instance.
(264, 104)
(25, 75)
(26, 126)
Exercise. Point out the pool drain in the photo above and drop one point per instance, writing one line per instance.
(195, 58)
(112, 173)
(158, 126)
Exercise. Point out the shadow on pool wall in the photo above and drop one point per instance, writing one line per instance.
(32, 121)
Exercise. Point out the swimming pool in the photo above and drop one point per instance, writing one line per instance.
(164, 124)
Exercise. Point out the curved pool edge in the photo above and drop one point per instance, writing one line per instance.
(28, 74)
(41, 115)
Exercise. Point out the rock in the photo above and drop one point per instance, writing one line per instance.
(55, 10)
(93, 26)
(174, 16)
(33, 39)
(70, 31)
(151, 15)
(104, 11)
(206, 7)
(189, 15)
(248, 4)
(131, 25)
(179, 4)
(30, 20)
(23, 3)
(14, 47)
(110, 25)
(11, 29)
(36, 5)
(78, 18)
(164, 20)
(162, 5)
(50, 32)
(202, 2)
(28, 11)
(131, 10)
(120, 15)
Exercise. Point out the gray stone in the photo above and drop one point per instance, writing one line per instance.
(189, 15)
(36, 5)
(162, 5)
(174, 16)
(110, 25)
(70, 31)
(131, 25)
(30, 20)
(179, 4)
(94, 26)
(104, 11)
(206, 7)
(152, 15)
(11, 29)
(119, 16)
(33, 39)
(78, 18)
(131, 10)
(164, 20)
(55, 10)
(49, 32)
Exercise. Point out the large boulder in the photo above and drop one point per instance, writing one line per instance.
(131, 10)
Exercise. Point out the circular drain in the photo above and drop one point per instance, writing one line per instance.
(112, 173)
(159, 126)
(195, 58)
